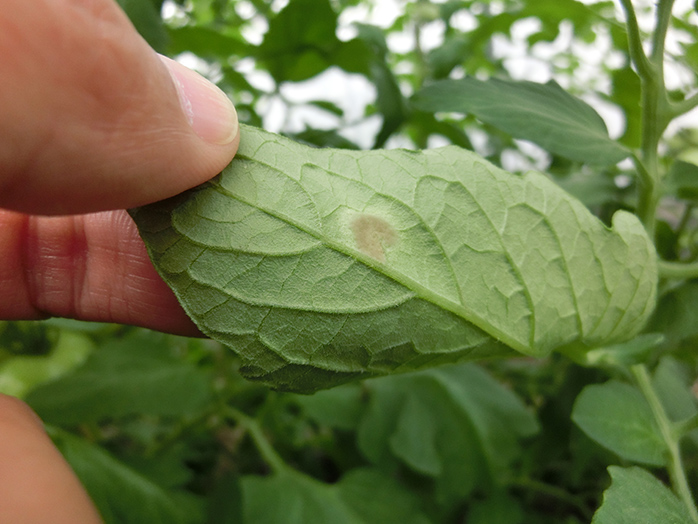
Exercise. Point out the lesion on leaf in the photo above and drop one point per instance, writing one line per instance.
(373, 235)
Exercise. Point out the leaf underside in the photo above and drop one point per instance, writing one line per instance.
(320, 265)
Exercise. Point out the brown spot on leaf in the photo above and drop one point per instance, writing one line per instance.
(372, 235)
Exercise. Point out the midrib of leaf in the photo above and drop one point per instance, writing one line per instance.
(421, 291)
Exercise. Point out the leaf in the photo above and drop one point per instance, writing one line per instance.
(454, 423)
(677, 313)
(133, 375)
(617, 416)
(673, 383)
(361, 497)
(340, 407)
(637, 497)
(298, 46)
(145, 16)
(121, 494)
(542, 113)
(206, 42)
(320, 265)
(21, 374)
(682, 179)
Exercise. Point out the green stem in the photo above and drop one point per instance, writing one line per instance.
(656, 110)
(685, 106)
(667, 429)
(637, 53)
(663, 20)
(678, 270)
(266, 450)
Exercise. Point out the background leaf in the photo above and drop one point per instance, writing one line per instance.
(363, 496)
(455, 424)
(617, 416)
(354, 263)
(542, 113)
(121, 494)
(137, 374)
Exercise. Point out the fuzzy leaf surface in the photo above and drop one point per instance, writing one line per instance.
(637, 497)
(321, 265)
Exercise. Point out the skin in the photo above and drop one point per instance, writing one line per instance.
(91, 123)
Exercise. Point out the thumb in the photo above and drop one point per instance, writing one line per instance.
(91, 118)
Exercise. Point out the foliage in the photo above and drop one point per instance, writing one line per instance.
(165, 429)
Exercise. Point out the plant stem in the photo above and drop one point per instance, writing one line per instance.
(666, 427)
(678, 270)
(685, 106)
(656, 111)
(637, 53)
(266, 450)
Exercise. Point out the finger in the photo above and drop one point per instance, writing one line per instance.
(89, 267)
(92, 119)
(36, 483)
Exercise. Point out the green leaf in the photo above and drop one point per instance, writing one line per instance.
(145, 16)
(206, 42)
(682, 179)
(542, 113)
(120, 494)
(440, 420)
(340, 407)
(617, 416)
(133, 375)
(677, 313)
(298, 46)
(498, 507)
(637, 497)
(361, 497)
(673, 383)
(21, 374)
(321, 265)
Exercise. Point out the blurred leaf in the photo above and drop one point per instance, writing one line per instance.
(324, 138)
(225, 502)
(682, 180)
(542, 113)
(339, 407)
(617, 416)
(207, 43)
(145, 16)
(676, 315)
(390, 102)
(591, 189)
(637, 497)
(625, 91)
(672, 381)
(448, 55)
(497, 508)
(623, 355)
(362, 496)
(454, 423)
(19, 375)
(298, 46)
(120, 494)
(133, 375)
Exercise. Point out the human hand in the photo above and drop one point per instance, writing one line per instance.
(92, 122)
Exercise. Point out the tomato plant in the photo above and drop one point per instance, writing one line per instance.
(491, 297)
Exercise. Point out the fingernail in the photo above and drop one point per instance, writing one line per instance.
(210, 112)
